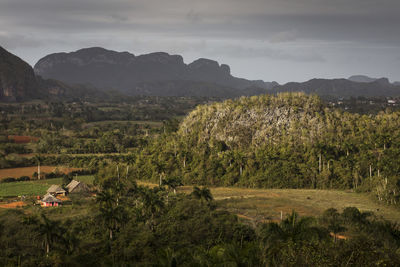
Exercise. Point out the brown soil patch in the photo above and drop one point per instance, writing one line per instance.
(13, 205)
(20, 139)
(28, 171)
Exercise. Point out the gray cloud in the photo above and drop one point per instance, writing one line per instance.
(281, 31)
(13, 41)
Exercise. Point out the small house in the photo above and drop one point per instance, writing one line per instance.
(77, 187)
(56, 190)
(50, 201)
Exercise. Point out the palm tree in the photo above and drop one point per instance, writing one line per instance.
(202, 194)
(172, 183)
(292, 230)
(38, 159)
(48, 229)
(111, 213)
(152, 204)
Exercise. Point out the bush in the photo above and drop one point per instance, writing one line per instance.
(24, 178)
(8, 180)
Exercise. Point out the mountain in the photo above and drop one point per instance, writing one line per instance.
(19, 83)
(17, 79)
(396, 83)
(361, 79)
(151, 74)
(341, 88)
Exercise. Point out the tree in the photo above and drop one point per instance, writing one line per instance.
(111, 213)
(293, 230)
(172, 183)
(202, 194)
(50, 231)
(332, 218)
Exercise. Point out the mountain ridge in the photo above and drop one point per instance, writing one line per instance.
(341, 88)
(124, 71)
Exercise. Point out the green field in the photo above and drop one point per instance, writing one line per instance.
(34, 188)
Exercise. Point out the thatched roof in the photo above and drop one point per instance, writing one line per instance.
(55, 189)
(50, 198)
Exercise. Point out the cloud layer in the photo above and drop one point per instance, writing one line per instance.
(268, 39)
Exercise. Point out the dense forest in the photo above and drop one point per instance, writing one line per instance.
(131, 225)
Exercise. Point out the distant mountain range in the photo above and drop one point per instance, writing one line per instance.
(97, 73)
(18, 83)
(353, 87)
(151, 74)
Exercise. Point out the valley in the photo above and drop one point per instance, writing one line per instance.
(204, 172)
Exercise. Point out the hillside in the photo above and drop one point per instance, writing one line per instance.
(17, 79)
(342, 88)
(291, 140)
(149, 74)
(256, 120)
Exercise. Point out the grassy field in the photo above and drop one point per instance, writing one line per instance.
(267, 204)
(255, 205)
(28, 171)
(34, 188)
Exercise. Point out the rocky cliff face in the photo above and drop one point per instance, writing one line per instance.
(130, 74)
(17, 79)
(253, 121)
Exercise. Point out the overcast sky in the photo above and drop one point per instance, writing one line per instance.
(282, 40)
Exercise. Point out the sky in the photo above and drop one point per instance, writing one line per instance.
(273, 40)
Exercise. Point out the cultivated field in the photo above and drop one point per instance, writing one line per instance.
(28, 171)
(34, 188)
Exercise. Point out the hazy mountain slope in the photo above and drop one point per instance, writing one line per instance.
(341, 88)
(361, 79)
(17, 79)
(141, 74)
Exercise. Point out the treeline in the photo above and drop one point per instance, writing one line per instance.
(78, 161)
(25, 118)
(284, 141)
(130, 225)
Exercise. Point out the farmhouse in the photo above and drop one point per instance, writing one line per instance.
(50, 201)
(77, 187)
(56, 190)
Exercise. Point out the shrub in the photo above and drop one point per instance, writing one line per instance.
(24, 178)
(8, 180)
